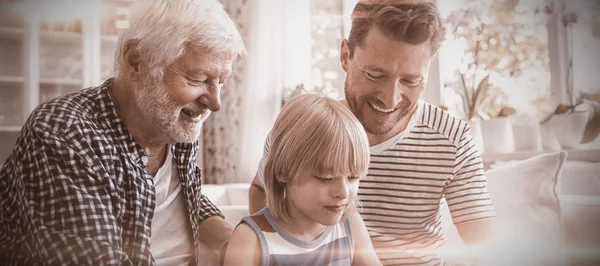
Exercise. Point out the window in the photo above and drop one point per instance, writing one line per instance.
(513, 43)
(329, 23)
(526, 48)
(499, 48)
(585, 42)
(326, 34)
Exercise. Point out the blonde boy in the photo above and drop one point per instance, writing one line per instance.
(318, 154)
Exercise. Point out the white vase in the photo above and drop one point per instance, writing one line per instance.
(497, 135)
(549, 140)
(477, 135)
(568, 128)
(526, 134)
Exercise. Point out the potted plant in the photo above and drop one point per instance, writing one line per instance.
(499, 46)
(575, 120)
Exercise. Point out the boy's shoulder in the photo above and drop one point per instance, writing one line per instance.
(243, 245)
(259, 221)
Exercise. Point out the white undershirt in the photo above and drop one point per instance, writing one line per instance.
(171, 242)
(381, 147)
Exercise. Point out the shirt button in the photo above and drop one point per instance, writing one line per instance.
(145, 159)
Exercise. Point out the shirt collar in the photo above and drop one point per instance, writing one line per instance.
(110, 117)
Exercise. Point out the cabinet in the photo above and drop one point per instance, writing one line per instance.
(42, 57)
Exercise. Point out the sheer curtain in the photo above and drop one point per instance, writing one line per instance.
(278, 57)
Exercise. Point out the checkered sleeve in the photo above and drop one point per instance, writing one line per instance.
(208, 209)
(55, 204)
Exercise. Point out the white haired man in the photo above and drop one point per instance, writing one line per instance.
(108, 175)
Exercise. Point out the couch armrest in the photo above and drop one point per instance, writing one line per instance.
(237, 193)
(234, 213)
(216, 193)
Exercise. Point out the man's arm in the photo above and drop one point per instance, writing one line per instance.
(467, 195)
(474, 232)
(364, 253)
(257, 196)
(214, 231)
(54, 206)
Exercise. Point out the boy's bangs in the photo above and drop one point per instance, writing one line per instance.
(343, 155)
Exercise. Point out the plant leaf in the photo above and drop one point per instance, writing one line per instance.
(481, 91)
(466, 98)
(507, 111)
(593, 97)
(482, 88)
(561, 109)
(592, 129)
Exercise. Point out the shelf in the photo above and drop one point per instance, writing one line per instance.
(111, 39)
(43, 81)
(66, 82)
(580, 200)
(12, 79)
(10, 128)
(71, 38)
(60, 37)
(11, 32)
(592, 155)
(54, 37)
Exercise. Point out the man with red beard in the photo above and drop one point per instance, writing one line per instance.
(420, 155)
(108, 175)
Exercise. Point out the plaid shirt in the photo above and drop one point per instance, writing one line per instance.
(75, 191)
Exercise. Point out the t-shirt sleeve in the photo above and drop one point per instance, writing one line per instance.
(466, 193)
(263, 162)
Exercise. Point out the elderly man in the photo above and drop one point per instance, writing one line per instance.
(419, 153)
(108, 175)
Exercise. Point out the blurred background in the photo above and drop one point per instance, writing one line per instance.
(524, 73)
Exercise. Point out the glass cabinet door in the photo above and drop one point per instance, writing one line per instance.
(114, 18)
(60, 58)
(12, 78)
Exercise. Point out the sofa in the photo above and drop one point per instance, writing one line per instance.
(548, 213)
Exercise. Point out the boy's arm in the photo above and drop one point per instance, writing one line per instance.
(243, 248)
(364, 253)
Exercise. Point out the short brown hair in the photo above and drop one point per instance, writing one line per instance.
(414, 22)
(313, 135)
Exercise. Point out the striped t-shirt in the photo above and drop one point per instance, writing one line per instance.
(335, 246)
(408, 177)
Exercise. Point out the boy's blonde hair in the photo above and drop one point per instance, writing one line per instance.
(313, 135)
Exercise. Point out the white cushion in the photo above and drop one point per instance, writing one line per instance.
(529, 228)
(216, 193)
(237, 193)
(231, 199)
(581, 178)
(581, 214)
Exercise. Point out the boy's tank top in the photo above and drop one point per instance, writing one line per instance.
(335, 247)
